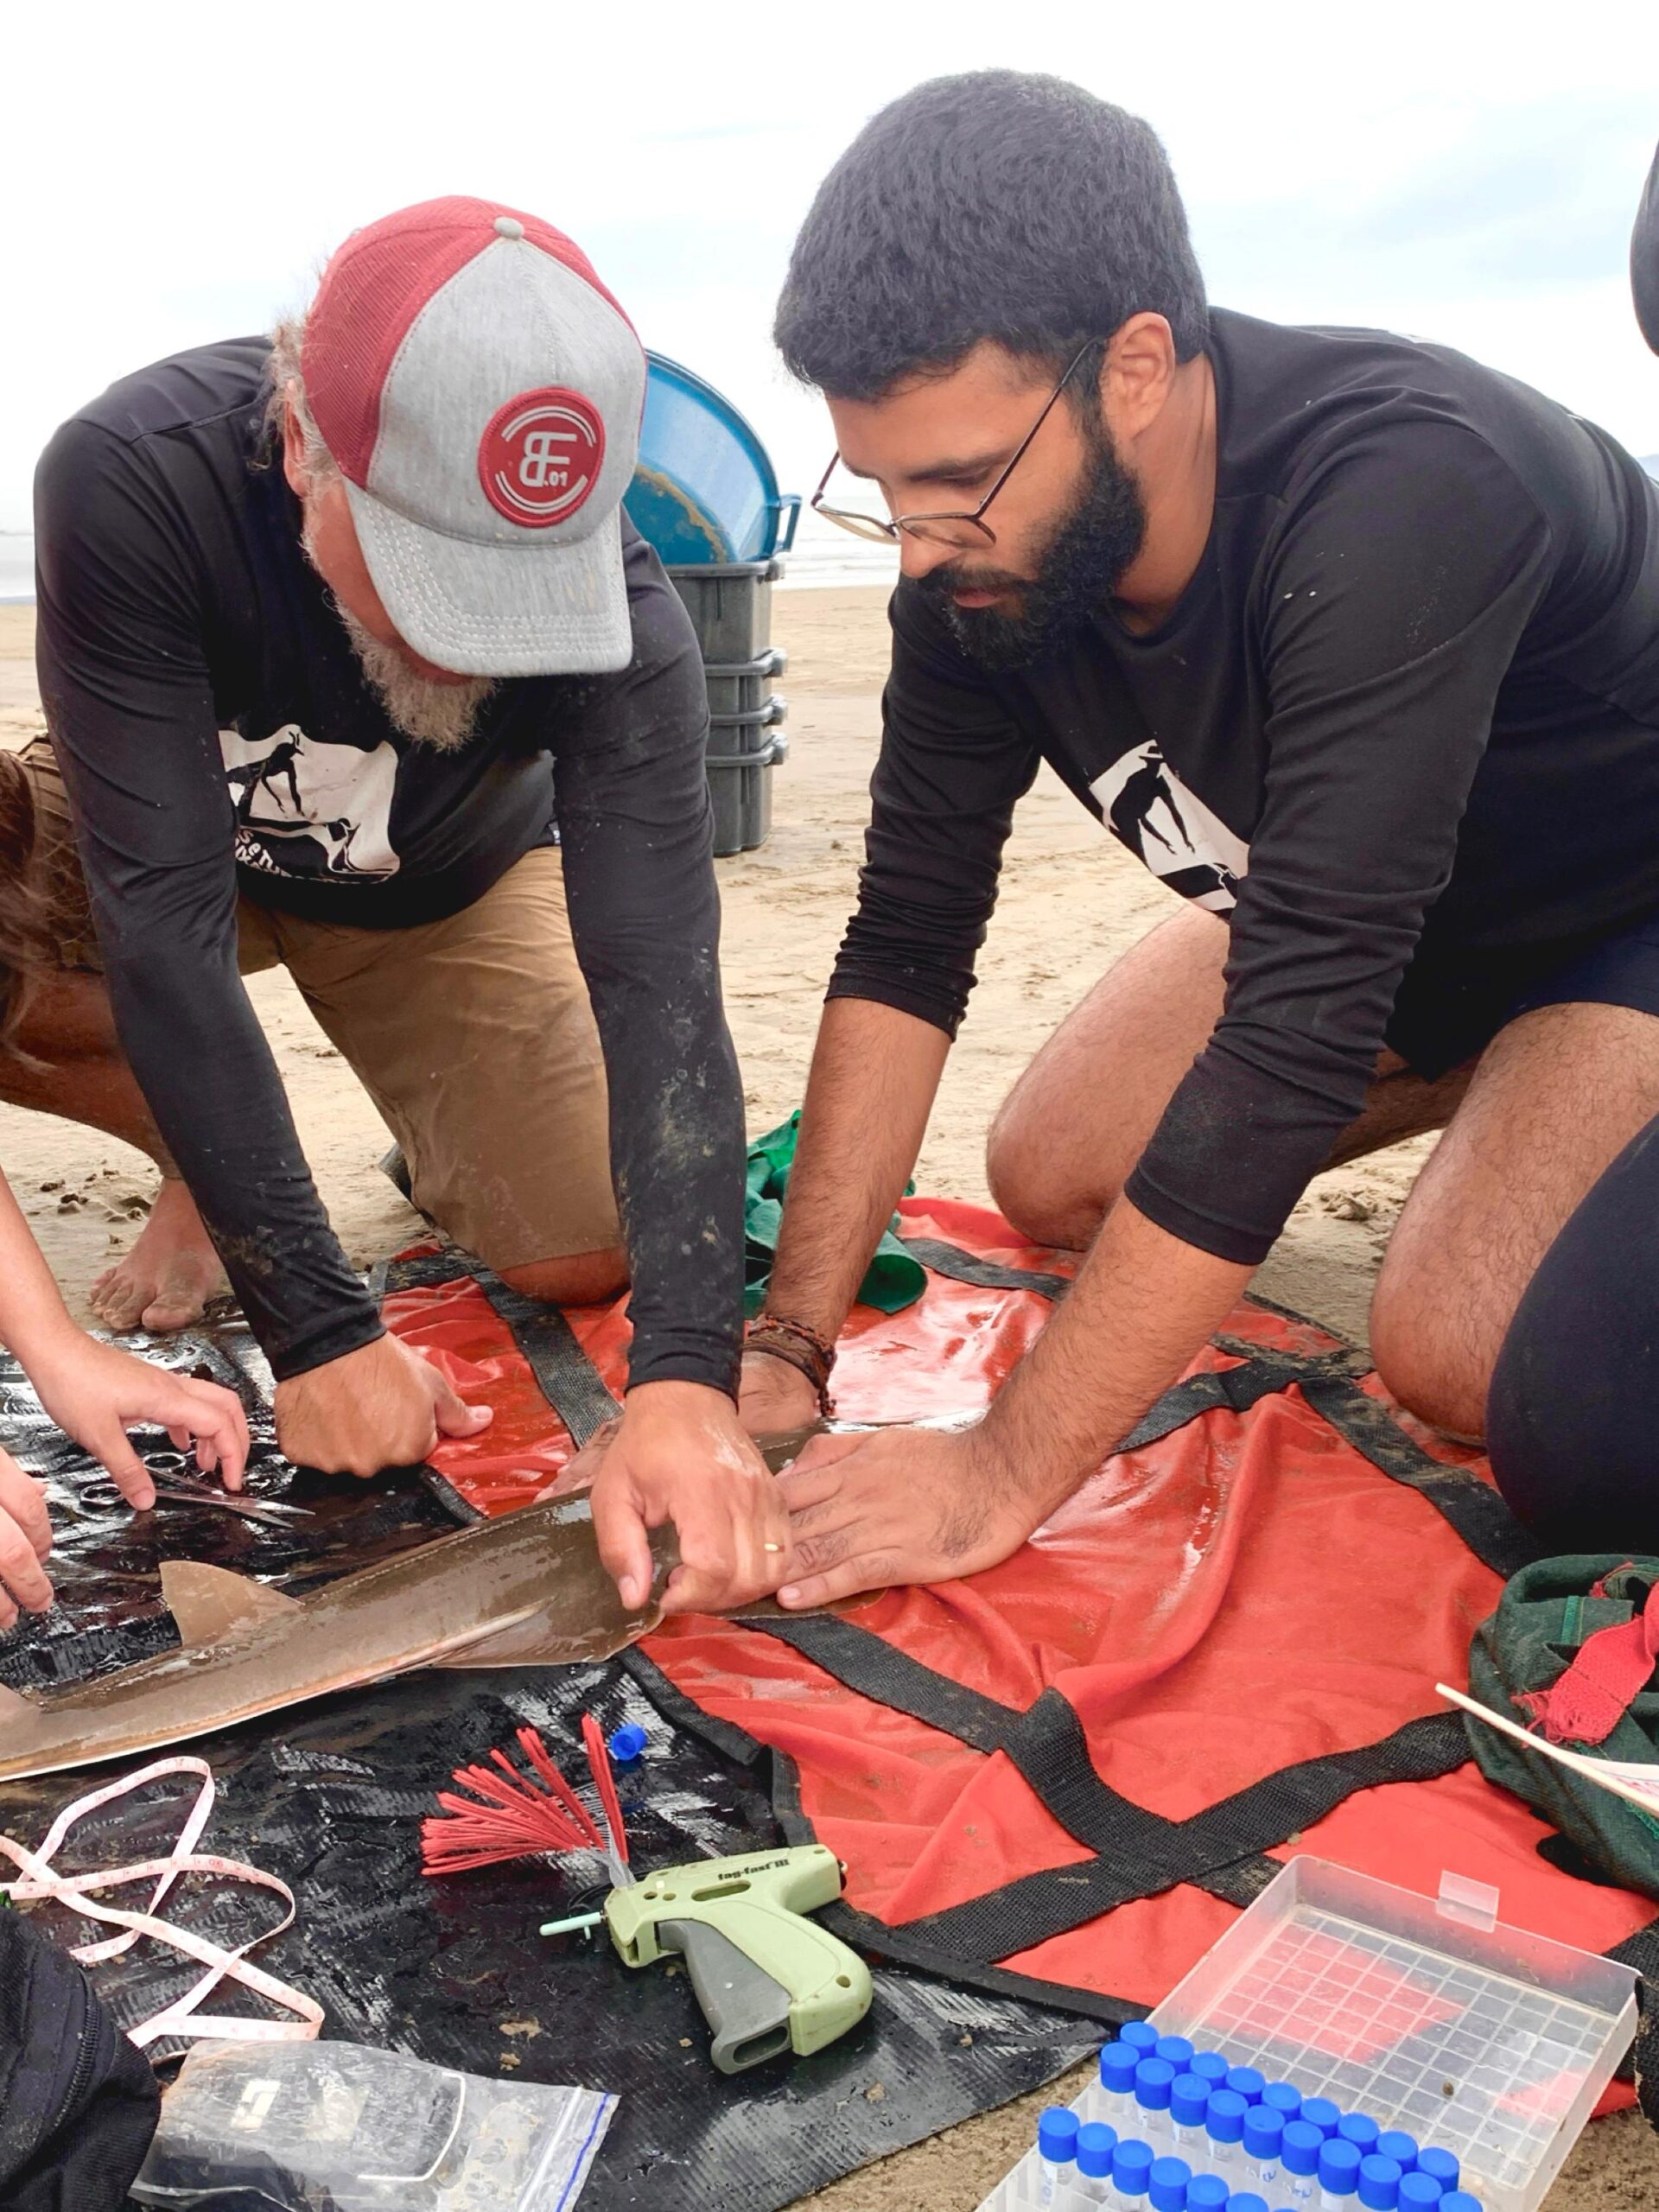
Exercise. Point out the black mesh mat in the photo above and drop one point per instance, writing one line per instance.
(330, 1796)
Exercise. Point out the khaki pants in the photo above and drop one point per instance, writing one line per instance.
(473, 1036)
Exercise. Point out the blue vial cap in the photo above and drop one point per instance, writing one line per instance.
(1283, 2097)
(628, 1743)
(1142, 2035)
(1420, 2193)
(1226, 2119)
(1056, 2134)
(1188, 2097)
(1246, 2200)
(1166, 2185)
(1264, 2132)
(1247, 2083)
(1176, 2051)
(1339, 2167)
(1154, 2080)
(1320, 2113)
(1394, 2143)
(1359, 2127)
(1210, 2066)
(1458, 2200)
(1379, 2184)
(1206, 2193)
(1096, 2144)
(1117, 2064)
(1441, 2166)
(1301, 2147)
(1131, 2165)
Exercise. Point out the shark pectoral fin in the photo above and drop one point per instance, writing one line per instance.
(207, 1602)
(13, 1706)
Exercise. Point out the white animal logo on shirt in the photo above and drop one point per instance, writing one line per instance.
(1151, 810)
(310, 809)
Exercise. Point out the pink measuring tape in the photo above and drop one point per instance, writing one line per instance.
(38, 1879)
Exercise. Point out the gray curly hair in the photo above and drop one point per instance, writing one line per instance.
(287, 380)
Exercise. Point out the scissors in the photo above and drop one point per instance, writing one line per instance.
(104, 1497)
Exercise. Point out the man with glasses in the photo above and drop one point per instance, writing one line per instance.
(1356, 644)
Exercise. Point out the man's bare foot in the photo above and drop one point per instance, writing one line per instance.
(170, 1273)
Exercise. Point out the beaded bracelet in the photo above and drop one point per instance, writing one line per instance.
(799, 1346)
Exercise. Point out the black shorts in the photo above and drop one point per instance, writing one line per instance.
(1436, 1030)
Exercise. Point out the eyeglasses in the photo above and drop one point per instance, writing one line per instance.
(942, 528)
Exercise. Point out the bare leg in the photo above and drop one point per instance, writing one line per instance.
(1069, 1133)
(1556, 1097)
(172, 1270)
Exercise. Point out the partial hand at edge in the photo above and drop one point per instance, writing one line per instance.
(679, 1454)
(25, 1542)
(381, 1405)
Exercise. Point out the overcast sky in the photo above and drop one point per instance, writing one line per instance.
(1467, 171)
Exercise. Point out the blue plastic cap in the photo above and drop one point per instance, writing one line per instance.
(1458, 2200)
(1301, 2147)
(1176, 2051)
(1225, 2118)
(1246, 2200)
(1379, 2184)
(628, 1743)
(1096, 2144)
(1206, 2193)
(1117, 2064)
(1419, 2193)
(1339, 2167)
(1441, 2166)
(1394, 2143)
(1264, 2132)
(1056, 2134)
(1132, 2164)
(1166, 2185)
(1359, 2127)
(1247, 2083)
(1283, 2097)
(1320, 2113)
(1189, 2095)
(1154, 2080)
(1210, 2066)
(1142, 2035)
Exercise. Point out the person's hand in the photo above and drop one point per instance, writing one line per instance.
(95, 1392)
(380, 1406)
(25, 1539)
(897, 1505)
(679, 1454)
(773, 1397)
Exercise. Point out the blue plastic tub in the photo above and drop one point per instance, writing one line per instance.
(705, 490)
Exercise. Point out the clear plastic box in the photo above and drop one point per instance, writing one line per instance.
(1427, 2014)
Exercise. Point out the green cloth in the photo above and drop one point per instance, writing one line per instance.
(1544, 1615)
(895, 1280)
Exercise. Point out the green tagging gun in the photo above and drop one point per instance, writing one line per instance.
(768, 1979)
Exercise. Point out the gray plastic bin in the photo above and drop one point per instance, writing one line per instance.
(743, 750)
(730, 606)
(739, 687)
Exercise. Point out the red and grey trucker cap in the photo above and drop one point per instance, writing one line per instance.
(481, 393)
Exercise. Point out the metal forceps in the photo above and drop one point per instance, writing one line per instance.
(104, 1497)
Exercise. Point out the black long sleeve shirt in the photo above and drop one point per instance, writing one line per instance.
(217, 735)
(1402, 730)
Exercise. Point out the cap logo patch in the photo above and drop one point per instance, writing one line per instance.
(541, 455)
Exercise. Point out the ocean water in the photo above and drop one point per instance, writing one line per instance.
(16, 564)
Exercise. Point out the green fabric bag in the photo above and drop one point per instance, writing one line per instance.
(1545, 1615)
(893, 1280)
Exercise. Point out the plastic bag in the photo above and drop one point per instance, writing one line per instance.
(337, 2127)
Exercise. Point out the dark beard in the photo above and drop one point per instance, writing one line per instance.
(1090, 547)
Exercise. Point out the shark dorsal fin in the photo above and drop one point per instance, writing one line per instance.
(207, 1602)
(13, 1706)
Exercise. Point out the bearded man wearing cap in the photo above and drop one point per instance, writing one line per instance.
(351, 662)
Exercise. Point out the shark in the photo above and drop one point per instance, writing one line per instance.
(527, 1590)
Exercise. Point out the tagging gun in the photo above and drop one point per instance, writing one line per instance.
(768, 1979)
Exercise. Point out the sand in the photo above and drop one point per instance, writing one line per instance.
(1072, 900)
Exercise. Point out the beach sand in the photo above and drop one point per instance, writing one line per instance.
(1070, 901)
